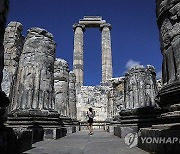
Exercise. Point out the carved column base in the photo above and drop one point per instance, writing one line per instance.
(169, 95)
(134, 119)
(161, 133)
(33, 113)
(70, 125)
(43, 127)
(170, 103)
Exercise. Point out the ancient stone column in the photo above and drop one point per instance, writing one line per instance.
(72, 95)
(7, 141)
(168, 16)
(140, 87)
(4, 101)
(61, 86)
(13, 44)
(34, 90)
(3, 15)
(78, 53)
(118, 94)
(106, 52)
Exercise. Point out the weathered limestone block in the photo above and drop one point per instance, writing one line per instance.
(13, 44)
(34, 90)
(96, 97)
(140, 87)
(61, 86)
(92, 21)
(106, 52)
(78, 53)
(72, 95)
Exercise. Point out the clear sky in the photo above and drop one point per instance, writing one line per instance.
(134, 34)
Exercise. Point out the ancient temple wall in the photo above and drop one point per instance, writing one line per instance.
(96, 97)
(13, 44)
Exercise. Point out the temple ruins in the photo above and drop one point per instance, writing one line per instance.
(43, 99)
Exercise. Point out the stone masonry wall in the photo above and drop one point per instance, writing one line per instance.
(95, 97)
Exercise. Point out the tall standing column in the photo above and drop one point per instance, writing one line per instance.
(168, 16)
(106, 52)
(13, 44)
(78, 53)
(34, 89)
(3, 15)
(61, 86)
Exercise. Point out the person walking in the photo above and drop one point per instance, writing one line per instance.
(90, 120)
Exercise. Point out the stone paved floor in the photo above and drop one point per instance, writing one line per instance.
(81, 143)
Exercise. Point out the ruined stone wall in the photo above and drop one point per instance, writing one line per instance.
(13, 44)
(106, 100)
(96, 97)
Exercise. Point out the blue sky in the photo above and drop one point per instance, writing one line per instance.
(134, 34)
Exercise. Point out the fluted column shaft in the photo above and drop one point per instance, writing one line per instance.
(106, 52)
(78, 53)
(168, 16)
(13, 44)
(140, 87)
(34, 89)
(61, 86)
(4, 9)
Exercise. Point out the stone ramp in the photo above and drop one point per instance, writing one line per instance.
(82, 143)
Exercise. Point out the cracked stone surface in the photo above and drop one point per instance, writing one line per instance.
(34, 88)
(13, 44)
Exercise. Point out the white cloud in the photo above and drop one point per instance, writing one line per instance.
(159, 75)
(131, 63)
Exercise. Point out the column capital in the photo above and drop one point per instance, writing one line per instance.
(105, 25)
(79, 25)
